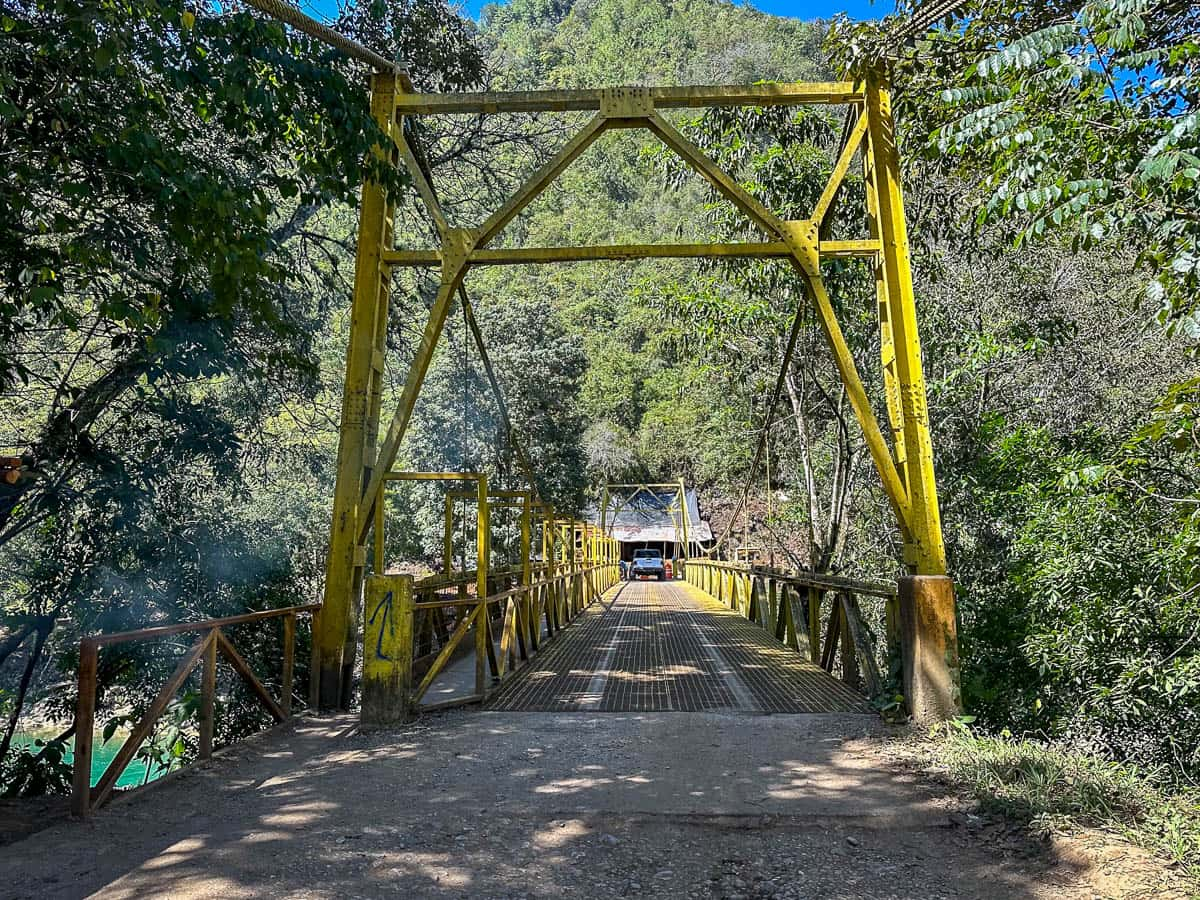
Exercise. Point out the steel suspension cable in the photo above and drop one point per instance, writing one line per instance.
(793, 334)
(277, 9)
(922, 19)
(523, 459)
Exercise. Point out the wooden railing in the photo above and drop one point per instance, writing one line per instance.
(413, 629)
(791, 605)
(212, 641)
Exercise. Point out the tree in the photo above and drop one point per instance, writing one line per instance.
(170, 237)
(1081, 116)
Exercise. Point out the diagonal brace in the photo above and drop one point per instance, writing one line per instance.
(541, 179)
(838, 175)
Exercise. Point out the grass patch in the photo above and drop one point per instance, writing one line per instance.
(1055, 789)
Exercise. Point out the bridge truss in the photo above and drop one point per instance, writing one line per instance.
(904, 463)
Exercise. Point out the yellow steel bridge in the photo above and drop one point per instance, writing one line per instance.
(731, 634)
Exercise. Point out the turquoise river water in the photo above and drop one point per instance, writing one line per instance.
(102, 755)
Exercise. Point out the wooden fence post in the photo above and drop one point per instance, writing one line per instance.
(85, 727)
(850, 672)
(289, 663)
(814, 624)
(208, 692)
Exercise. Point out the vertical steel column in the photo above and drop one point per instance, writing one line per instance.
(928, 554)
(483, 631)
(360, 411)
(447, 536)
(549, 560)
(527, 621)
(687, 549)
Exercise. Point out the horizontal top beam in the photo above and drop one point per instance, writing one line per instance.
(431, 476)
(532, 255)
(663, 98)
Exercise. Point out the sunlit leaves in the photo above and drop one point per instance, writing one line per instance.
(1081, 114)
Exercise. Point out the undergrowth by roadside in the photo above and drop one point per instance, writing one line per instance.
(1055, 790)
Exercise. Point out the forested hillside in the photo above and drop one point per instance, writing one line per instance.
(174, 386)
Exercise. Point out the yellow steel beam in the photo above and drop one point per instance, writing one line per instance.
(355, 459)
(483, 552)
(520, 256)
(523, 460)
(857, 395)
(847, 249)
(929, 553)
(541, 179)
(454, 253)
(887, 345)
(715, 175)
(691, 97)
(685, 518)
(463, 495)
(423, 180)
(447, 534)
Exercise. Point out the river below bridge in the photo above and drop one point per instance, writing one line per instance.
(103, 753)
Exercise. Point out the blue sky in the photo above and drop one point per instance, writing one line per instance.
(799, 9)
(823, 9)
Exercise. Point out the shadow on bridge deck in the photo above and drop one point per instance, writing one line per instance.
(667, 646)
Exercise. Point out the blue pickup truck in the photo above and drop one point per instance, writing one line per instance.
(648, 564)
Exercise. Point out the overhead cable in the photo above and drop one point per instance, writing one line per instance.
(323, 33)
(788, 353)
(923, 19)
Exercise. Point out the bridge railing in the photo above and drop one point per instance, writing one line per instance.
(213, 640)
(414, 629)
(820, 616)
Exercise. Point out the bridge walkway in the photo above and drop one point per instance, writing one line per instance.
(667, 646)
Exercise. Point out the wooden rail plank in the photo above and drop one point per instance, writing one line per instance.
(242, 668)
(145, 725)
(157, 631)
(810, 579)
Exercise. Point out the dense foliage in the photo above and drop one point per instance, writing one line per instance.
(174, 229)
(1068, 430)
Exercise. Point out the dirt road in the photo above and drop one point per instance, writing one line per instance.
(516, 805)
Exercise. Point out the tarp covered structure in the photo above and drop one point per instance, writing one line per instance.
(651, 516)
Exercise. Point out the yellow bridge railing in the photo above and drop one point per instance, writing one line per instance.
(414, 628)
(793, 606)
(413, 632)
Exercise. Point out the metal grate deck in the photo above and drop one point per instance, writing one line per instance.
(661, 646)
